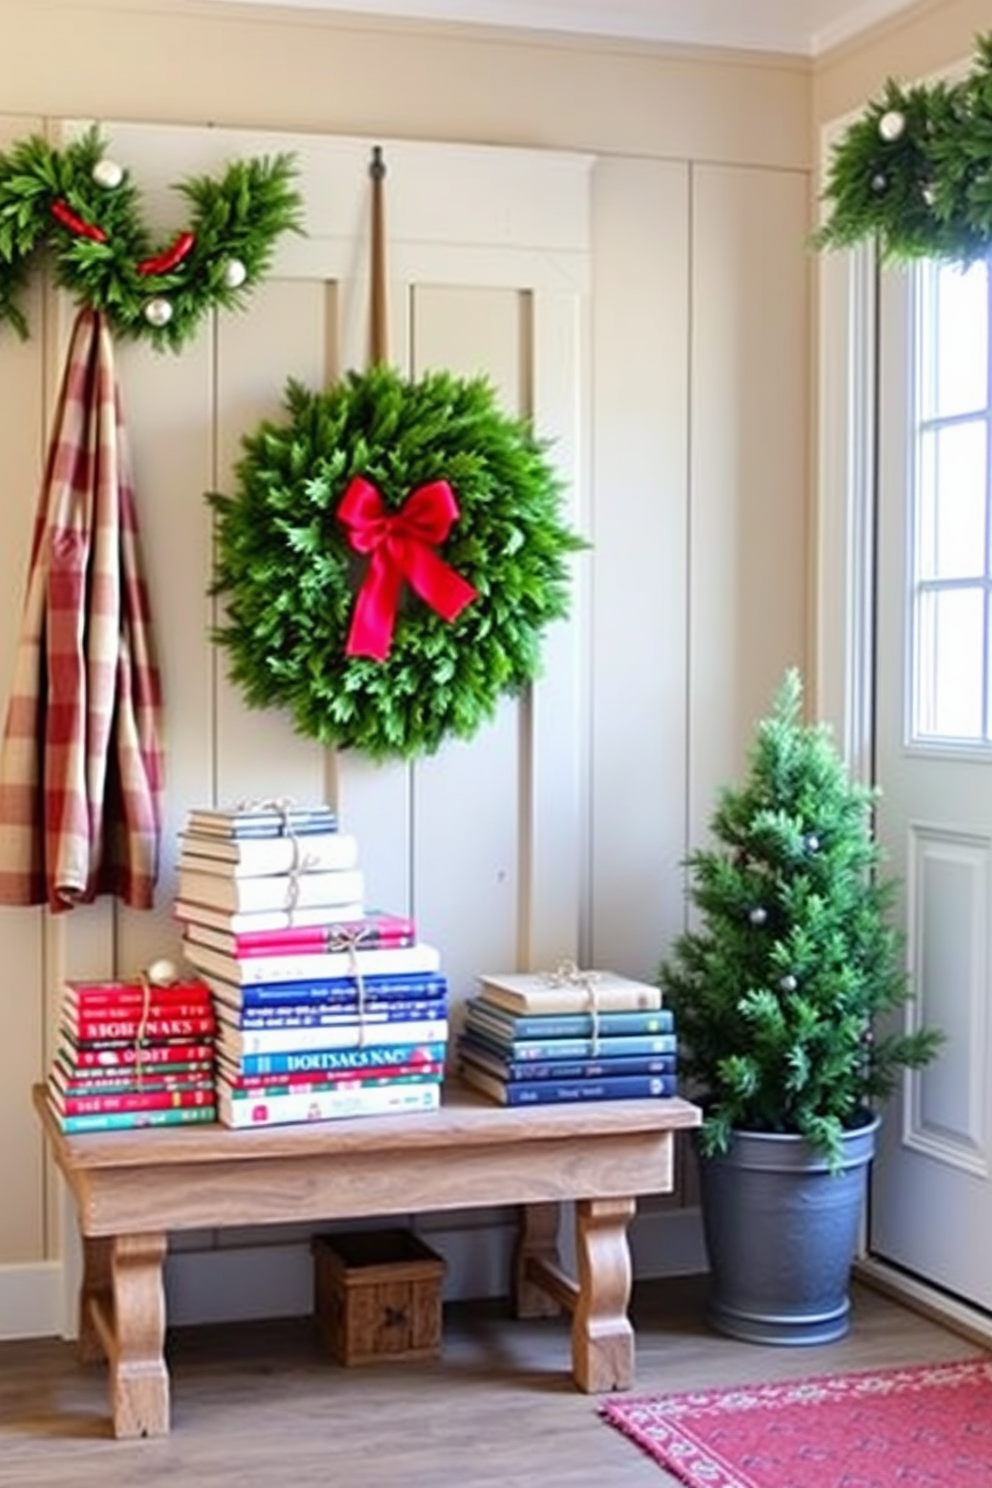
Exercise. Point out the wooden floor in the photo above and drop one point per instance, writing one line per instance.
(260, 1405)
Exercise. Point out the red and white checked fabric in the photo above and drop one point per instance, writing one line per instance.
(81, 766)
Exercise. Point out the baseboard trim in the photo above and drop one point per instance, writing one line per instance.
(668, 1242)
(969, 1322)
(31, 1300)
(262, 1278)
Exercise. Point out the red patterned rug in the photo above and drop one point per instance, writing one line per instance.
(929, 1426)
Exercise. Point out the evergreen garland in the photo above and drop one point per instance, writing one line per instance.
(290, 577)
(777, 992)
(914, 173)
(82, 212)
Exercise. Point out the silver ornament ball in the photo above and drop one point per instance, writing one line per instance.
(158, 312)
(108, 173)
(758, 915)
(788, 984)
(891, 125)
(812, 843)
(235, 273)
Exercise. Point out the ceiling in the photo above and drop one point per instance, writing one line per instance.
(801, 27)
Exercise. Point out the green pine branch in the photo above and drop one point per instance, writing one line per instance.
(911, 174)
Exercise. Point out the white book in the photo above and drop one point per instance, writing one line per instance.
(256, 857)
(236, 1042)
(284, 891)
(533, 992)
(248, 971)
(243, 1109)
(237, 922)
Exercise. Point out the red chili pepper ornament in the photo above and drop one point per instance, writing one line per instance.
(170, 258)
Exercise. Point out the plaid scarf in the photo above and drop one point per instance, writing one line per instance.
(81, 767)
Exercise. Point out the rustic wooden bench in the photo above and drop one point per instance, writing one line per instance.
(132, 1188)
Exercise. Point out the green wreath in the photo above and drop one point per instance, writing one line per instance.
(81, 209)
(913, 172)
(295, 562)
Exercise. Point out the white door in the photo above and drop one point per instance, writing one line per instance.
(931, 1203)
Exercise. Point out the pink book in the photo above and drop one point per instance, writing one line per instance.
(375, 929)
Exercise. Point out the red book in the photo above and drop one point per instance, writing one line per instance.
(118, 1055)
(309, 1080)
(131, 1080)
(112, 996)
(110, 1029)
(135, 1013)
(128, 1027)
(66, 1071)
(150, 1100)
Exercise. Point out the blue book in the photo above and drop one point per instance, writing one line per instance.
(339, 1059)
(307, 1015)
(416, 985)
(261, 821)
(576, 1048)
(131, 1120)
(551, 1092)
(564, 1025)
(235, 1042)
(566, 1069)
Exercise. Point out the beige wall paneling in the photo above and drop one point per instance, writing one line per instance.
(488, 271)
(469, 232)
(22, 989)
(639, 560)
(513, 792)
(748, 462)
(303, 70)
(470, 822)
(257, 753)
(557, 922)
(472, 250)
(640, 583)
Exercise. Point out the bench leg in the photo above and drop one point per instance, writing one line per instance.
(602, 1337)
(536, 1239)
(126, 1320)
(95, 1297)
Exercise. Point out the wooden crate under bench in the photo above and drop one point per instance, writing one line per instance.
(377, 1295)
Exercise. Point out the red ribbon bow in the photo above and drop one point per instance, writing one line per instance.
(400, 546)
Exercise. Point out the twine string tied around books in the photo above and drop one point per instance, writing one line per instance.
(568, 974)
(349, 941)
(280, 805)
(302, 861)
(139, 1037)
(158, 974)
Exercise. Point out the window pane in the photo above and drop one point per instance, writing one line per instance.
(952, 508)
(950, 664)
(954, 360)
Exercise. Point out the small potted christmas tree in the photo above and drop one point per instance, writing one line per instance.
(781, 991)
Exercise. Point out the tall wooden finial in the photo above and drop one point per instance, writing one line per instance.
(378, 310)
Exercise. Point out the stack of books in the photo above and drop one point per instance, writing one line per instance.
(531, 1039)
(325, 1008)
(134, 1053)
